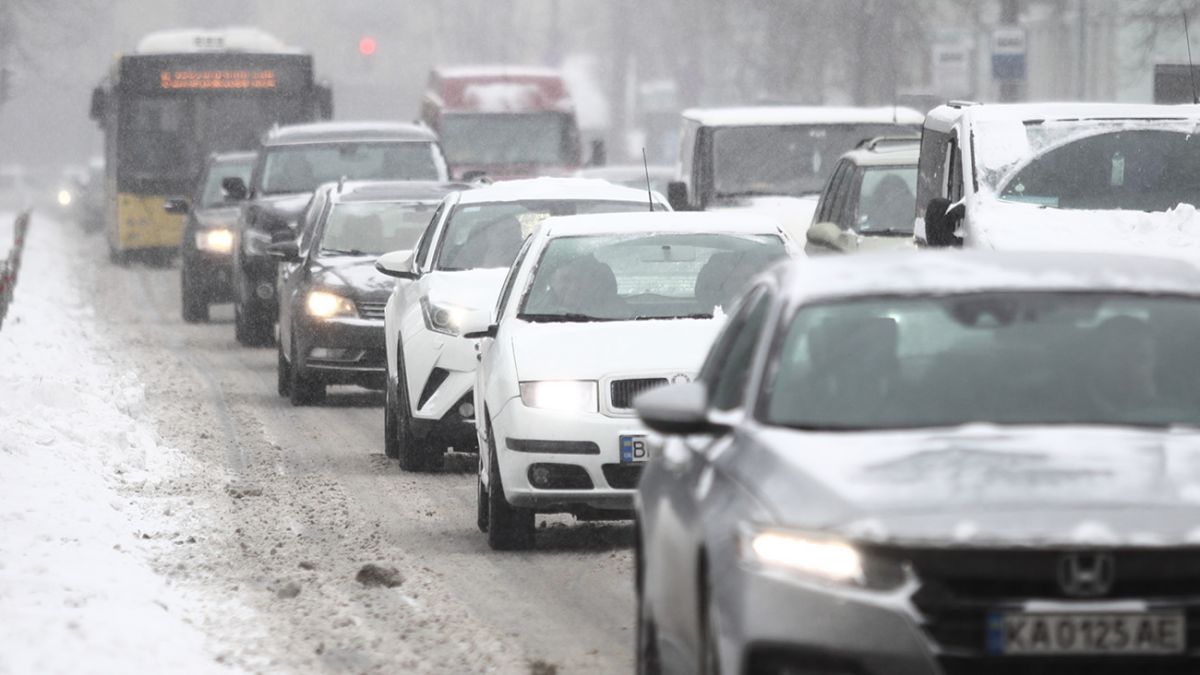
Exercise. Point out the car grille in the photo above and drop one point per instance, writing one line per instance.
(960, 587)
(372, 310)
(622, 392)
(622, 476)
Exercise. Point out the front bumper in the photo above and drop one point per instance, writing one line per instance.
(342, 351)
(765, 623)
(579, 451)
(441, 373)
(210, 272)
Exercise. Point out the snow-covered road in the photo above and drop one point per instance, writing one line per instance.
(138, 449)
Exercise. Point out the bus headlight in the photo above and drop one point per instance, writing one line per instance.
(215, 241)
(325, 305)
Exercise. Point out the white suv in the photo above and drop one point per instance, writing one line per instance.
(455, 272)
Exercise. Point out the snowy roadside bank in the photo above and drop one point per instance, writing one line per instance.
(76, 596)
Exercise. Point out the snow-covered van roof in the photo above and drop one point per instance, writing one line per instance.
(232, 39)
(331, 132)
(496, 70)
(944, 117)
(498, 89)
(644, 221)
(950, 272)
(778, 115)
(557, 188)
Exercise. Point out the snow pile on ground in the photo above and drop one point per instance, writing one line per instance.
(75, 595)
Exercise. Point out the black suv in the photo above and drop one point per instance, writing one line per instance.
(292, 161)
(331, 298)
(207, 244)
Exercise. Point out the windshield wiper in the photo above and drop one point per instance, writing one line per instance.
(565, 317)
(887, 232)
(343, 251)
(654, 317)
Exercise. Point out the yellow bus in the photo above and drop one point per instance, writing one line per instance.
(179, 96)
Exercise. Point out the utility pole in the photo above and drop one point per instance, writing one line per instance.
(1081, 84)
(1010, 14)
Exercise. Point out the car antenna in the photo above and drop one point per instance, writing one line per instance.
(341, 183)
(1187, 35)
(649, 192)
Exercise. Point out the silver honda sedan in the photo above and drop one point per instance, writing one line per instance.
(932, 463)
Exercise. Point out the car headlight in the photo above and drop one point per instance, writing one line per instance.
(215, 241)
(65, 197)
(821, 558)
(325, 305)
(442, 318)
(565, 395)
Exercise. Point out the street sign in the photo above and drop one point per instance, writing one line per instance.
(952, 70)
(1008, 54)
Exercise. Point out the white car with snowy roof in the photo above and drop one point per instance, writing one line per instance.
(1071, 176)
(455, 271)
(596, 310)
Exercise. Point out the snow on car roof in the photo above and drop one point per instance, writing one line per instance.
(775, 115)
(887, 155)
(495, 70)
(1027, 112)
(325, 132)
(400, 190)
(554, 188)
(932, 273)
(661, 221)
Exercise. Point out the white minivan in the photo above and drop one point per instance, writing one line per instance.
(1092, 176)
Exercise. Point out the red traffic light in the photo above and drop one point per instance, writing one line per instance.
(366, 46)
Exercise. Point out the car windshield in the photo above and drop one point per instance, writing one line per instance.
(213, 196)
(1135, 169)
(784, 160)
(886, 199)
(644, 276)
(374, 228)
(490, 234)
(516, 138)
(301, 168)
(1001, 358)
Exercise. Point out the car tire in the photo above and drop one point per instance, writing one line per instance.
(709, 658)
(648, 661)
(251, 327)
(303, 389)
(283, 374)
(118, 257)
(481, 499)
(509, 528)
(415, 453)
(391, 442)
(193, 300)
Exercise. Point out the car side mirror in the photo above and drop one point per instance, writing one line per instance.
(477, 325)
(677, 409)
(398, 264)
(942, 219)
(473, 176)
(677, 195)
(829, 237)
(234, 188)
(176, 206)
(287, 251)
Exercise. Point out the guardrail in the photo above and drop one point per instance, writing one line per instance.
(10, 266)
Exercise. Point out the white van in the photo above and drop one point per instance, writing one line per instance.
(1095, 176)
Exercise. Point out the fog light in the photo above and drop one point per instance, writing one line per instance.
(539, 475)
(466, 410)
(332, 354)
(265, 291)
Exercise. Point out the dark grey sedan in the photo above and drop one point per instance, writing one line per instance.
(963, 463)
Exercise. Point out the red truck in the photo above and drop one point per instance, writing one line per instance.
(504, 122)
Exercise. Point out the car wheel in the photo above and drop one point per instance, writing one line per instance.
(415, 453)
(251, 326)
(391, 442)
(283, 374)
(510, 528)
(195, 304)
(710, 661)
(303, 389)
(648, 662)
(118, 257)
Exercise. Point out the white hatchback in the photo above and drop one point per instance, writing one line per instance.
(596, 310)
(455, 271)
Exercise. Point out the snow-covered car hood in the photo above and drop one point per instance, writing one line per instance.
(989, 485)
(794, 214)
(1004, 225)
(357, 273)
(591, 351)
(469, 289)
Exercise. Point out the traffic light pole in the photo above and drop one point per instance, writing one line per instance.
(1010, 13)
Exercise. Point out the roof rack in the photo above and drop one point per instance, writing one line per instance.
(963, 104)
(880, 142)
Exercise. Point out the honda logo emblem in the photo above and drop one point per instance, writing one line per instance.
(1086, 575)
